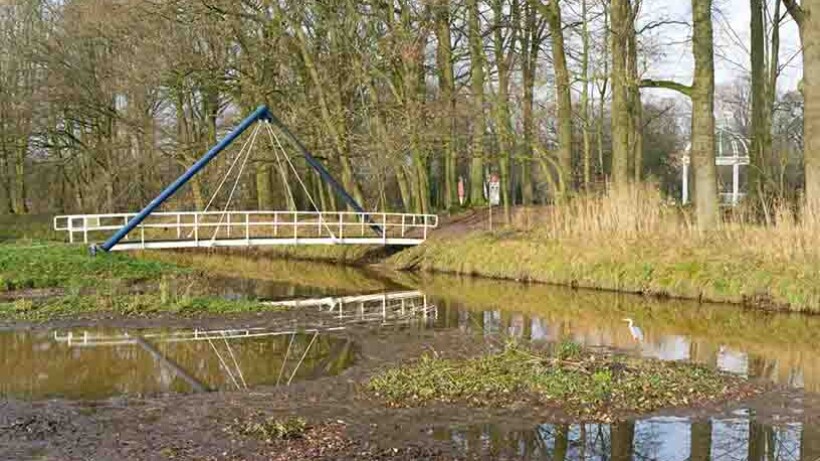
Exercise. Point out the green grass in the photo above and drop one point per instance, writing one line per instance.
(48, 265)
(710, 269)
(142, 305)
(579, 382)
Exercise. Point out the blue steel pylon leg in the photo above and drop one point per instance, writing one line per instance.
(261, 113)
(323, 173)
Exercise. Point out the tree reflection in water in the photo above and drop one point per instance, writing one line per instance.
(739, 437)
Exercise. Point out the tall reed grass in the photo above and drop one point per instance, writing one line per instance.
(636, 241)
(640, 212)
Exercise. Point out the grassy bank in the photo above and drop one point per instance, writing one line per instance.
(581, 383)
(52, 265)
(635, 244)
(342, 254)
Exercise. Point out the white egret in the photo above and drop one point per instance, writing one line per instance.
(634, 330)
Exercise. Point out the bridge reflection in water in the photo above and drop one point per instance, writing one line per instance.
(100, 363)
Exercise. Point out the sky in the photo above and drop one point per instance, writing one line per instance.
(732, 36)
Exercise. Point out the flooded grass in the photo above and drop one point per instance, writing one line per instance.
(133, 305)
(592, 385)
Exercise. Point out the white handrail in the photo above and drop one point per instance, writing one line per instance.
(255, 225)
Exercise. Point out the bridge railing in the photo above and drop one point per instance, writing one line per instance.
(205, 229)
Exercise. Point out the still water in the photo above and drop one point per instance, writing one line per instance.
(780, 348)
(736, 437)
(99, 363)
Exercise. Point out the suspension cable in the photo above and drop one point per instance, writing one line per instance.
(282, 172)
(225, 178)
(298, 178)
(236, 183)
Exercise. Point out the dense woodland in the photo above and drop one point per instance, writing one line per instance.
(104, 102)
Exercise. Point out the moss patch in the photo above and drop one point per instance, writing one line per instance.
(592, 385)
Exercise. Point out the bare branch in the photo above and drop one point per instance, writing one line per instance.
(667, 84)
(655, 24)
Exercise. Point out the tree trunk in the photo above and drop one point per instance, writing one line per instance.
(602, 85)
(477, 87)
(264, 189)
(587, 155)
(700, 442)
(563, 95)
(502, 104)
(620, 12)
(446, 81)
(561, 442)
(757, 442)
(809, 441)
(331, 117)
(703, 118)
(19, 204)
(810, 40)
(622, 438)
(530, 45)
(634, 96)
(761, 140)
(5, 205)
(404, 188)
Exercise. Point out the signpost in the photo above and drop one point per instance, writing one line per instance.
(493, 195)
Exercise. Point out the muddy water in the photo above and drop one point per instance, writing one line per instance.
(780, 348)
(99, 363)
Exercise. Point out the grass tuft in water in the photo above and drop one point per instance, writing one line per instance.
(269, 429)
(593, 385)
(138, 305)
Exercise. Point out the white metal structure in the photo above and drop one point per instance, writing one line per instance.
(251, 228)
(737, 156)
(381, 307)
(384, 308)
(335, 314)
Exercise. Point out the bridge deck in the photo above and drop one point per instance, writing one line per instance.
(250, 228)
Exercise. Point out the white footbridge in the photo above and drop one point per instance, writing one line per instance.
(169, 230)
(219, 226)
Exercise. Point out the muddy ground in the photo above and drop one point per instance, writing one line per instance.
(345, 424)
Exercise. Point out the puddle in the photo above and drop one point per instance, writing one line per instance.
(737, 437)
(100, 363)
